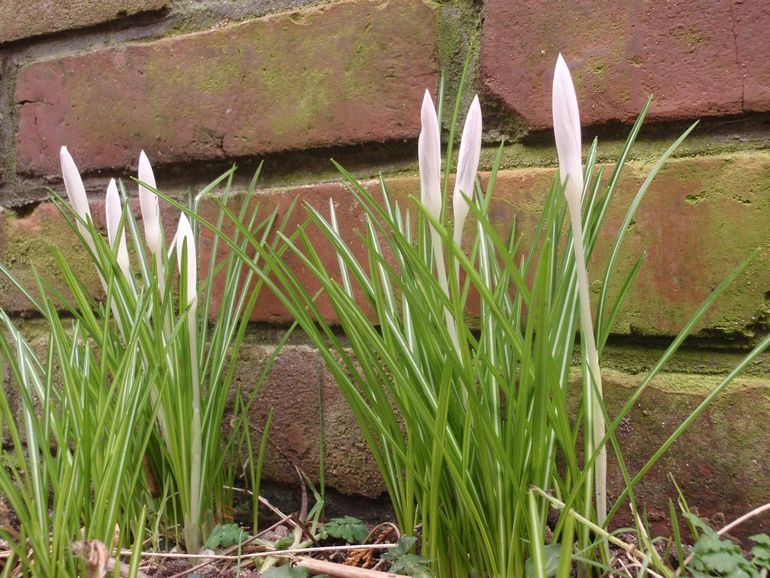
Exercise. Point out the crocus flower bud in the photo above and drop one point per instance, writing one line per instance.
(467, 166)
(184, 239)
(148, 201)
(429, 155)
(566, 129)
(76, 192)
(114, 212)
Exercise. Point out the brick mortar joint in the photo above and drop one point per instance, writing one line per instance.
(95, 184)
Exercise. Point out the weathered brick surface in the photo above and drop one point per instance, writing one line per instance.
(27, 18)
(300, 393)
(26, 246)
(325, 76)
(701, 217)
(752, 45)
(351, 223)
(699, 220)
(699, 58)
(717, 462)
(292, 393)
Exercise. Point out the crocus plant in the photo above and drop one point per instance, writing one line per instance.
(116, 234)
(184, 248)
(467, 166)
(469, 419)
(188, 346)
(566, 128)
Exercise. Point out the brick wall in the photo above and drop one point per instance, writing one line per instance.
(199, 84)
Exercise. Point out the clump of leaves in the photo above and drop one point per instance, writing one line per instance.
(714, 556)
(717, 557)
(405, 561)
(225, 536)
(761, 551)
(347, 528)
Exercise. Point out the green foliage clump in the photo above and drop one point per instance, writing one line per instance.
(119, 422)
(225, 536)
(465, 415)
(713, 556)
(761, 551)
(405, 561)
(347, 528)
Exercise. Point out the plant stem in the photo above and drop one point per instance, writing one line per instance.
(193, 533)
(438, 255)
(594, 413)
(599, 531)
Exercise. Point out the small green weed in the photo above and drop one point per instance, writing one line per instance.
(225, 536)
(714, 556)
(551, 553)
(761, 551)
(405, 561)
(347, 528)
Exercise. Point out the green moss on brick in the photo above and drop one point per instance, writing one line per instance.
(344, 73)
(28, 248)
(458, 38)
(27, 18)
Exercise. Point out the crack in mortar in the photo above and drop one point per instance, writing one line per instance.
(737, 57)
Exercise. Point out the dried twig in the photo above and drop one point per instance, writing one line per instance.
(230, 550)
(755, 512)
(341, 570)
(631, 551)
(291, 552)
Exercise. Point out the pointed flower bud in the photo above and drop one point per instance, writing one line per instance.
(76, 192)
(185, 241)
(148, 201)
(467, 166)
(566, 128)
(114, 212)
(429, 155)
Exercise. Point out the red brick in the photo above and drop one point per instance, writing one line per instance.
(691, 55)
(700, 218)
(27, 18)
(27, 242)
(718, 464)
(26, 246)
(326, 76)
(298, 389)
(351, 223)
(350, 467)
(753, 47)
(291, 392)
